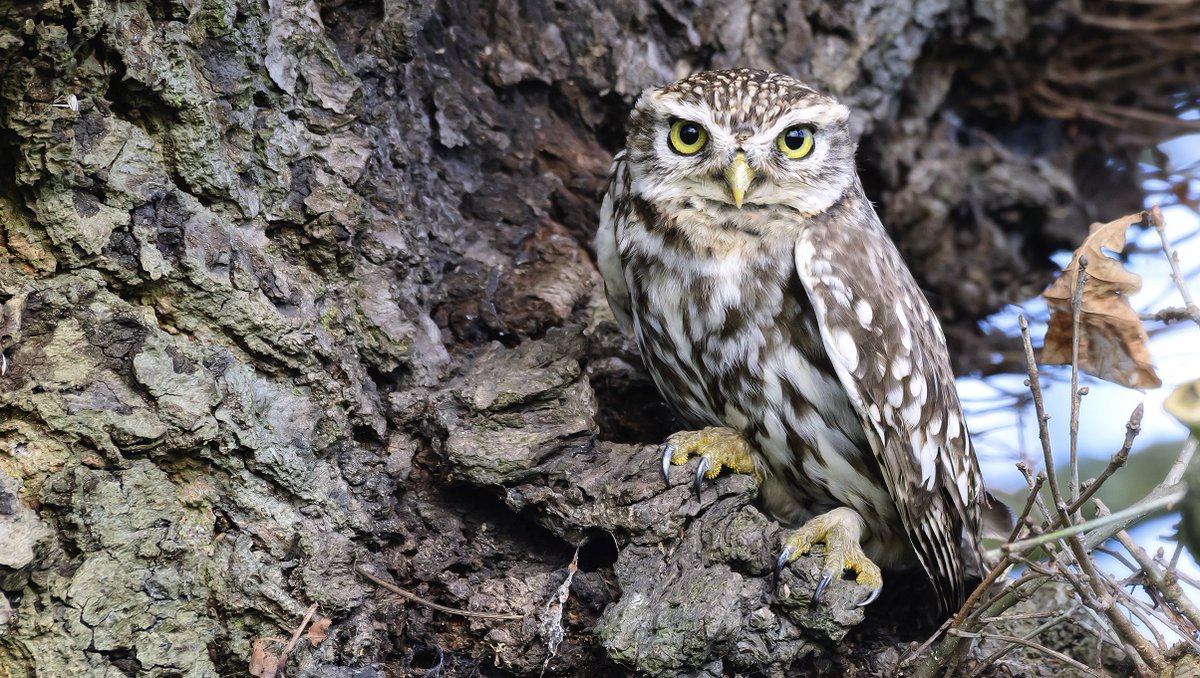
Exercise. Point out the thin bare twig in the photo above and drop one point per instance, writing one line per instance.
(1190, 581)
(990, 660)
(1030, 644)
(1166, 492)
(1174, 595)
(430, 604)
(1054, 104)
(291, 644)
(1077, 394)
(1135, 608)
(1156, 220)
(1031, 482)
(1034, 492)
(1040, 614)
(1180, 465)
(1043, 430)
(934, 664)
(265, 663)
(1119, 557)
(1090, 587)
(1164, 614)
(1094, 590)
(1123, 517)
(981, 589)
(1125, 23)
(1132, 428)
(1167, 315)
(1174, 565)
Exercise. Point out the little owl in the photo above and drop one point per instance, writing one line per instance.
(780, 323)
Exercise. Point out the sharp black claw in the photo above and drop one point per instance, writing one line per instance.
(821, 585)
(782, 561)
(668, 450)
(700, 469)
(870, 598)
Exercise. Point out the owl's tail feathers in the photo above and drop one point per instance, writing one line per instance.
(997, 518)
(995, 529)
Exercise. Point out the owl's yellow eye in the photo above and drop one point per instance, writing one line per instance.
(796, 142)
(687, 138)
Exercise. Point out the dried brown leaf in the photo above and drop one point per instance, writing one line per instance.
(263, 662)
(1112, 340)
(318, 632)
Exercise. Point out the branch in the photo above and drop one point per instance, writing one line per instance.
(990, 660)
(1132, 428)
(1170, 488)
(430, 604)
(1030, 644)
(1156, 219)
(1169, 588)
(1034, 492)
(1123, 517)
(1076, 392)
(1035, 388)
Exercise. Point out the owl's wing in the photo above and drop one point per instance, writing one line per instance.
(614, 208)
(890, 354)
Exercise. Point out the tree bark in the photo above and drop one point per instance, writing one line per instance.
(293, 289)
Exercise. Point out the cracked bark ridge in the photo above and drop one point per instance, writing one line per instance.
(695, 577)
(263, 264)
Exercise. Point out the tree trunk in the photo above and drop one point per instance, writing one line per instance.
(296, 289)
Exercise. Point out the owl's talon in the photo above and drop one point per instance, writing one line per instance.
(701, 469)
(840, 530)
(718, 448)
(821, 586)
(782, 561)
(668, 450)
(871, 597)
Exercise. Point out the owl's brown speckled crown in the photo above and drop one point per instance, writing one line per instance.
(745, 96)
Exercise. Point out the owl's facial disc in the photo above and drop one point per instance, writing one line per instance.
(739, 175)
(740, 144)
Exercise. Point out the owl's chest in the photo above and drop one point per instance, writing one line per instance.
(711, 325)
(734, 341)
(698, 299)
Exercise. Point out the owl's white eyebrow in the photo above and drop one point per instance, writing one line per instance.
(819, 115)
(696, 113)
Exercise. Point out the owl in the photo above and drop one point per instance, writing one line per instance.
(778, 320)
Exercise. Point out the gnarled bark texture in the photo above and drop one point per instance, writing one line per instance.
(297, 287)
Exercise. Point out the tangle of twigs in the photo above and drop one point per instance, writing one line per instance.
(1055, 544)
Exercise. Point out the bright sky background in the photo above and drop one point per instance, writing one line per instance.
(1005, 434)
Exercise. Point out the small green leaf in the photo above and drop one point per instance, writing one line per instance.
(1184, 405)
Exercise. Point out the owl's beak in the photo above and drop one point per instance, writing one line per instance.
(739, 175)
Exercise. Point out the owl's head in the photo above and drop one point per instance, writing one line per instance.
(741, 139)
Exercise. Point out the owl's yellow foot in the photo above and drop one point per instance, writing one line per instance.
(718, 448)
(841, 531)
